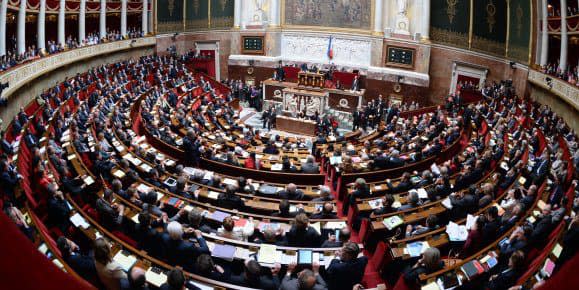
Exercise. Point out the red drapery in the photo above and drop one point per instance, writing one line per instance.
(291, 73)
(24, 267)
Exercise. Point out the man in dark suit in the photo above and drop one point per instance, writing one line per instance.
(229, 200)
(463, 203)
(356, 119)
(348, 270)
(180, 252)
(291, 192)
(327, 212)
(301, 234)
(82, 265)
(252, 277)
(310, 166)
(58, 212)
(355, 84)
(305, 279)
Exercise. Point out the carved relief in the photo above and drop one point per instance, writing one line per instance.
(314, 49)
(451, 9)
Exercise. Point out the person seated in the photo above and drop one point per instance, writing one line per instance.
(109, 272)
(252, 162)
(546, 222)
(253, 277)
(84, 266)
(58, 212)
(176, 281)
(490, 230)
(463, 203)
(517, 241)
(304, 280)
(508, 277)
(284, 210)
(431, 224)
(412, 202)
(403, 185)
(310, 166)
(205, 267)
(385, 206)
(335, 242)
(325, 194)
(361, 190)
(429, 263)
(327, 212)
(474, 239)
(146, 236)
(291, 192)
(348, 269)
(229, 199)
(111, 214)
(287, 165)
(135, 279)
(180, 252)
(302, 234)
(229, 231)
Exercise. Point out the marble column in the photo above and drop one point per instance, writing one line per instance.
(145, 18)
(41, 43)
(237, 14)
(378, 16)
(3, 10)
(103, 20)
(82, 21)
(274, 13)
(545, 34)
(61, 19)
(564, 37)
(123, 18)
(425, 31)
(21, 29)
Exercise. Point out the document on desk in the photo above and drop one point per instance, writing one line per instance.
(143, 188)
(213, 195)
(155, 276)
(456, 232)
(78, 221)
(417, 248)
(276, 167)
(225, 252)
(125, 259)
(268, 254)
(335, 225)
(422, 194)
(392, 222)
(88, 180)
(446, 203)
(470, 220)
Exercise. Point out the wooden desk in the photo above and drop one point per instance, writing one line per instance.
(296, 126)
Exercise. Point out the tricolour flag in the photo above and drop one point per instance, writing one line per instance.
(330, 49)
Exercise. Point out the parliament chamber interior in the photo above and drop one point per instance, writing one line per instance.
(289, 144)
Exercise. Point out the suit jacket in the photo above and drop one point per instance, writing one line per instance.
(310, 168)
(504, 280)
(296, 195)
(291, 283)
(344, 275)
(309, 237)
(230, 202)
(263, 282)
(184, 253)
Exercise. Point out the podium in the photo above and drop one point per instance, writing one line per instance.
(311, 79)
(296, 126)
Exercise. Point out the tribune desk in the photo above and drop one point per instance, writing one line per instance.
(296, 126)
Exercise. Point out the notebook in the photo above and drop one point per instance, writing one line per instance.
(225, 252)
(268, 254)
(125, 259)
(155, 276)
(219, 216)
(392, 222)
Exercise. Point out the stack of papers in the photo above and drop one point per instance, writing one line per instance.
(456, 232)
(125, 260)
(268, 254)
(78, 221)
(417, 248)
(155, 276)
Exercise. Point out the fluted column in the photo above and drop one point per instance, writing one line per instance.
(378, 16)
(274, 15)
(41, 43)
(21, 29)
(564, 37)
(123, 18)
(61, 35)
(425, 32)
(3, 9)
(103, 20)
(81, 21)
(545, 34)
(237, 14)
(145, 18)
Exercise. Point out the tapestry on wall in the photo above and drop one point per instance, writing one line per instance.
(169, 15)
(490, 26)
(197, 16)
(354, 14)
(450, 22)
(519, 30)
(222, 13)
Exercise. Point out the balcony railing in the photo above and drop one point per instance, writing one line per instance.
(566, 91)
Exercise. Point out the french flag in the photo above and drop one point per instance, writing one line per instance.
(330, 49)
